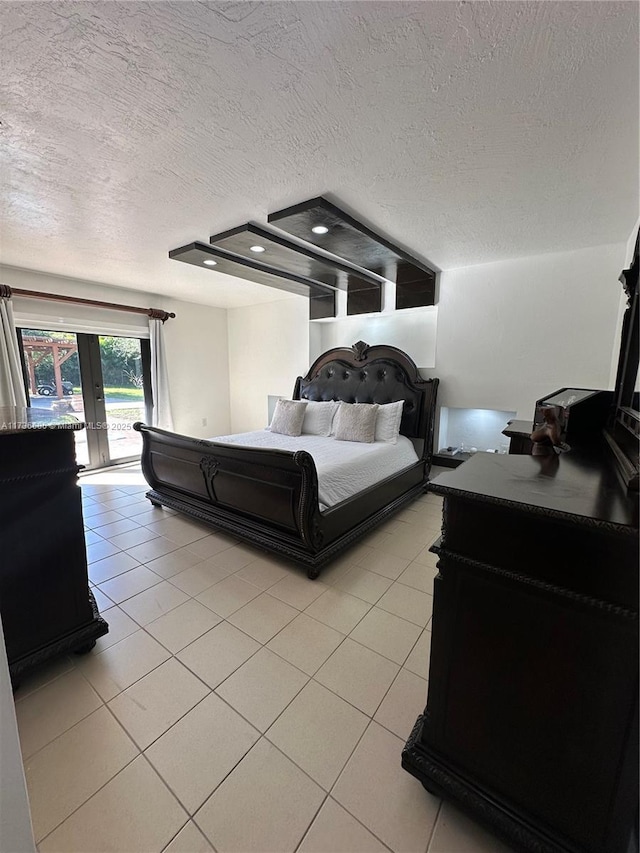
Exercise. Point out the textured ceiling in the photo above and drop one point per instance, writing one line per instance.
(467, 132)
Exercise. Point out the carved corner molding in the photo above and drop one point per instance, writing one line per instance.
(360, 350)
(441, 780)
(309, 524)
(209, 466)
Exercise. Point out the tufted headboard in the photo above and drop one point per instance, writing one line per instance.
(377, 374)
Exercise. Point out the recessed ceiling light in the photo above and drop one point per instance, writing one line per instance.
(210, 263)
(319, 229)
(257, 248)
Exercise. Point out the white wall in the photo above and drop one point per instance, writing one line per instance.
(511, 331)
(412, 330)
(268, 349)
(198, 366)
(198, 356)
(479, 428)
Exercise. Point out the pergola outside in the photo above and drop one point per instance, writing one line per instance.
(36, 349)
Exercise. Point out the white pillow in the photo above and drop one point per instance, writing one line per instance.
(318, 418)
(288, 416)
(388, 422)
(356, 422)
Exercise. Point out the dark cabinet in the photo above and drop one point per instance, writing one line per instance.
(46, 605)
(531, 722)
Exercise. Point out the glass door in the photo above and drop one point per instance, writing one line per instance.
(123, 373)
(102, 380)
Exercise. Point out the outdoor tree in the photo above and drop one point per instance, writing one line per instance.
(120, 359)
(121, 363)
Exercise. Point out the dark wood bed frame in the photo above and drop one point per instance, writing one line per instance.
(269, 498)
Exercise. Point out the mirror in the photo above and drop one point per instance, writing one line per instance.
(623, 431)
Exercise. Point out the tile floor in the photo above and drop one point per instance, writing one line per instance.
(236, 705)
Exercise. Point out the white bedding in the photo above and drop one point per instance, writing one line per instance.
(344, 467)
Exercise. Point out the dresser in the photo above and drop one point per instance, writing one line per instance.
(531, 722)
(46, 605)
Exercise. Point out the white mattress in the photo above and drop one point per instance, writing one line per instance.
(344, 467)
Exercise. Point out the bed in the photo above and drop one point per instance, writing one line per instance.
(269, 496)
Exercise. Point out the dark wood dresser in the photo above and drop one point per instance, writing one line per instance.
(531, 722)
(46, 605)
(518, 433)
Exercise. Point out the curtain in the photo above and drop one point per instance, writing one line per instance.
(161, 413)
(12, 391)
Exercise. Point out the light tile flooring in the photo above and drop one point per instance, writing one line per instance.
(236, 705)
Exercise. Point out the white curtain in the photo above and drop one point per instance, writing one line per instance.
(12, 391)
(161, 414)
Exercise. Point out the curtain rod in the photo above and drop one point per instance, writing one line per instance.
(154, 313)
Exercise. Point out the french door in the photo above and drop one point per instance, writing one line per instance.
(103, 380)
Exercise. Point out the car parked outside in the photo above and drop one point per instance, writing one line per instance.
(48, 389)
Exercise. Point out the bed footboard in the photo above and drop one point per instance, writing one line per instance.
(269, 497)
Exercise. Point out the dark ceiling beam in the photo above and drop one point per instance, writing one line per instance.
(283, 254)
(229, 263)
(347, 238)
